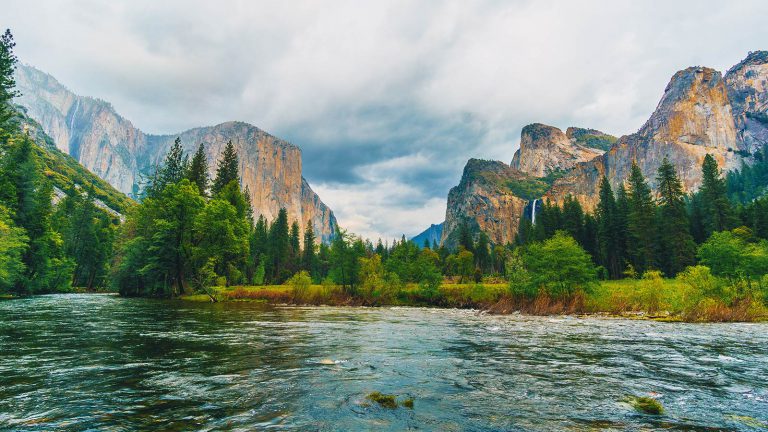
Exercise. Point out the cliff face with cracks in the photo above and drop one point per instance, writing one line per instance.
(485, 200)
(111, 147)
(546, 149)
(694, 118)
(701, 112)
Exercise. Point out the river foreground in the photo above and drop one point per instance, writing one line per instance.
(101, 362)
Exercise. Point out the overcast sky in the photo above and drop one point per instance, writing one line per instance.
(387, 99)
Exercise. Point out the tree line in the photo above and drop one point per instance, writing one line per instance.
(633, 230)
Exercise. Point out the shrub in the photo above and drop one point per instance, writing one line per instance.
(520, 285)
(301, 283)
(650, 290)
(560, 265)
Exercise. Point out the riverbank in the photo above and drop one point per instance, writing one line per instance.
(656, 299)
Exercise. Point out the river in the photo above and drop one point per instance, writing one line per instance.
(101, 362)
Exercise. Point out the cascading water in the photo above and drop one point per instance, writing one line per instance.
(72, 119)
(533, 212)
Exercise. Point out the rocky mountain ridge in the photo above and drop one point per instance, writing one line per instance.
(700, 112)
(94, 134)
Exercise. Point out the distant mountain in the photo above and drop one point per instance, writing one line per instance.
(110, 146)
(701, 112)
(433, 234)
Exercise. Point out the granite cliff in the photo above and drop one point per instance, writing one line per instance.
(701, 112)
(92, 132)
(547, 150)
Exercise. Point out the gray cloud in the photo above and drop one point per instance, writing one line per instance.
(387, 99)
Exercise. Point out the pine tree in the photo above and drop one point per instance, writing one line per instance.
(198, 170)
(227, 170)
(677, 249)
(573, 219)
(8, 90)
(465, 237)
(308, 253)
(642, 213)
(279, 248)
(716, 209)
(608, 225)
(295, 250)
(482, 252)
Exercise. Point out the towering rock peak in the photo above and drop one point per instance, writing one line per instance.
(694, 118)
(111, 147)
(748, 93)
(489, 198)
(701, 112)
(693, 110)
(546, 149)
(87, 129)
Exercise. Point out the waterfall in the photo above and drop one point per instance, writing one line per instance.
(533, 212)
(74, 112)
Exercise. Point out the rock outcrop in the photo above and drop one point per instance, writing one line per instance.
(747, 85)
(485, 200)
(111, 147)
(546, 149)
(693, 118)
(701, 112)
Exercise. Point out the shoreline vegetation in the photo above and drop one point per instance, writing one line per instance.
(654, 298)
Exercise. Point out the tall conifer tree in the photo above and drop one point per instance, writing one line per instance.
(227, 170)
(676, 246)
(642, 231)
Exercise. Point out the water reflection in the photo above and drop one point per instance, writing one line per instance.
(76, 362)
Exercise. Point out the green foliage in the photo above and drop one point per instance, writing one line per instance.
(300, 283)
(13, 245)
(198, 170)
(520, 285)
(735, 254)
(641, 227)
(528, 188)
(676, 248)
(600, 142)
(88, 235)
(27, 194)
(8, 90)
(717, 212)
(559, 266)
(465, 265)
(227, 170)
(750, 181)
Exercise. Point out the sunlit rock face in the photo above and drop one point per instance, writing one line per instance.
(546, 149)
(695, 117)
(484, 200)
(701, 112)
(111, 147)
(747, 84)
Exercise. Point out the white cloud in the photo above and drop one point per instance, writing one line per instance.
(368, 87)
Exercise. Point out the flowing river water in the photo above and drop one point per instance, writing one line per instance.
(101, 362)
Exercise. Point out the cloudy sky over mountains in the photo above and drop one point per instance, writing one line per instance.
(386, 99)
